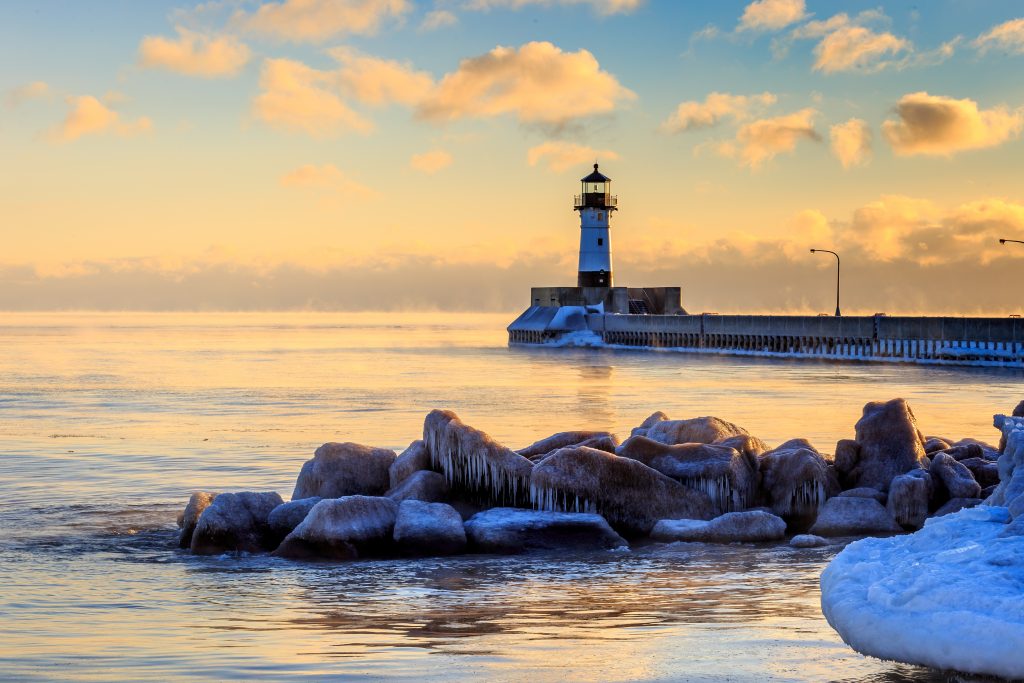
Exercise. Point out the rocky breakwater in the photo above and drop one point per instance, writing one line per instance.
(458, 490)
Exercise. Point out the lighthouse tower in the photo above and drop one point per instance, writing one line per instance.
(595, 205)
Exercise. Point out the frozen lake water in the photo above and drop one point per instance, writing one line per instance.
(109, 421)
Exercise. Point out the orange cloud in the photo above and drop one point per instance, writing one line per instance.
(852, 48)
(604, 7)
(194, 54)
(1007, 36)
(436, 19)
(561, 156)
(30, 91)
(430, 162)
(538, 83)
(88, 116)
(376, 81)
(319, 20)
(771, 15)
(851, 142)
(715, 107)
(761, 141)
(296, 97)
(326, 177)
(940, 126)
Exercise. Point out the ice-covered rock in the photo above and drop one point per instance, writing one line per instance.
(961, 452)
(796, 481)
(343, 528)
(428, 529)
(956, 505)
(286, 516)
(511, 530)
(950, 596)
(345, 469)
(952, 478)
(909, 496)
(936, 443)
(753, 526)
(865, 492)
(727, 476)
(629, 494)
(197, 502)
(808, 541)
(985, 471)
(563, 440)
(1010, 491)
(652, 420)
(845, 462)
(235, 522)
(889, 444)
(854, 517)
(748, 445)
(473, 463)
(413, 459)
(1017, 412)
(430, 487)
(696, 430)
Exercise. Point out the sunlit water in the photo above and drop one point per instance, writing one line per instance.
(108, 422)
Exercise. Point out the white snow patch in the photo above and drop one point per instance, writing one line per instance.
(950, 596)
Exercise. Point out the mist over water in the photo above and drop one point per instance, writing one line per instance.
(109, 421)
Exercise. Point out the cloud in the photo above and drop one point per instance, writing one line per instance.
(851, 142)
(771, 15)
(940, 126)
(761, 141)
(316, 21)
(715, 107)
(88, 116)
(36, 90)
(326, 177)
(436, 19)
(604, 7)
(194, 54)
(1006, 37)
(376, 81)
(561, 156)
(296, 97)
(430, 162)
(852, 48)
(537, 83)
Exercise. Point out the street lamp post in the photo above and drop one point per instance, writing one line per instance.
(1004, 241)
(826, 251)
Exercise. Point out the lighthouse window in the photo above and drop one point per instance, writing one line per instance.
(600, 241)
(600, 216)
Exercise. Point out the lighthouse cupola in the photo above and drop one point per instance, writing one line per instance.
(595, 204)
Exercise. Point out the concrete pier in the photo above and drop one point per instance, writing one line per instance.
(936, 340)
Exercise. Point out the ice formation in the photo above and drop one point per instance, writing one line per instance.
(564, 439)
(909, 495)
(474, 463)
(509, 530)
(796, 480)
(695, 430)
(236, 522)
(429, 529)
(342, 528)
(413, 459)
(753, 526)
(888, 444)
(950, 596)
(345, 469)
(197, 502)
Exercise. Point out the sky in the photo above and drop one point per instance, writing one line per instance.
(391, 154)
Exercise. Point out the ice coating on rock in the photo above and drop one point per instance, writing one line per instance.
(909, 495)
(423, 528)
(235, 522)
(475, 464)
(629, 494)
(808, 541)
(854, 517)
(753, 526)
(430, 487)
(651, 420)
(1010, 491)
(696, 430)
(952, 478)
(890, 444)
(948, 596)
(285, 517)
(345, 469)
(197, 502)
(510, 530)
(561, 440)
(413, 459)
(728, 477)
(748, 445)
(343, 528)
(796, 480)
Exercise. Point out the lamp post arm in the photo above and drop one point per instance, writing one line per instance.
(838, 265)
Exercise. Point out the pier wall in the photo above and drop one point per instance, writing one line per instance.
(940, 340)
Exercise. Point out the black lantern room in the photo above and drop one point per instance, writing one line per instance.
(596, 192)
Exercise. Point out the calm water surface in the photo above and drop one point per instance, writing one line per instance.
(109, 421)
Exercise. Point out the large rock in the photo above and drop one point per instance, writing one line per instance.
(235, 522)
(936, 443)
(197, 502)
(909, 495)
(511, 530)
(345, 469)
(428, 529)
(695, 430)
(865, 492)
(845, 462)
(796, 481)
(563, 440)
(475, 465)
(748, 445)
(727, 476)
(629, 494)
(734, 527)
(342, 529)
(985, 471)
(285, 517)
(652, 420)
(953, 478)
(427, 486)
(413, 459)
(854, 517)
(890, 444)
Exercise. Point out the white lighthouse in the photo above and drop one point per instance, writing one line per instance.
(595, 205)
